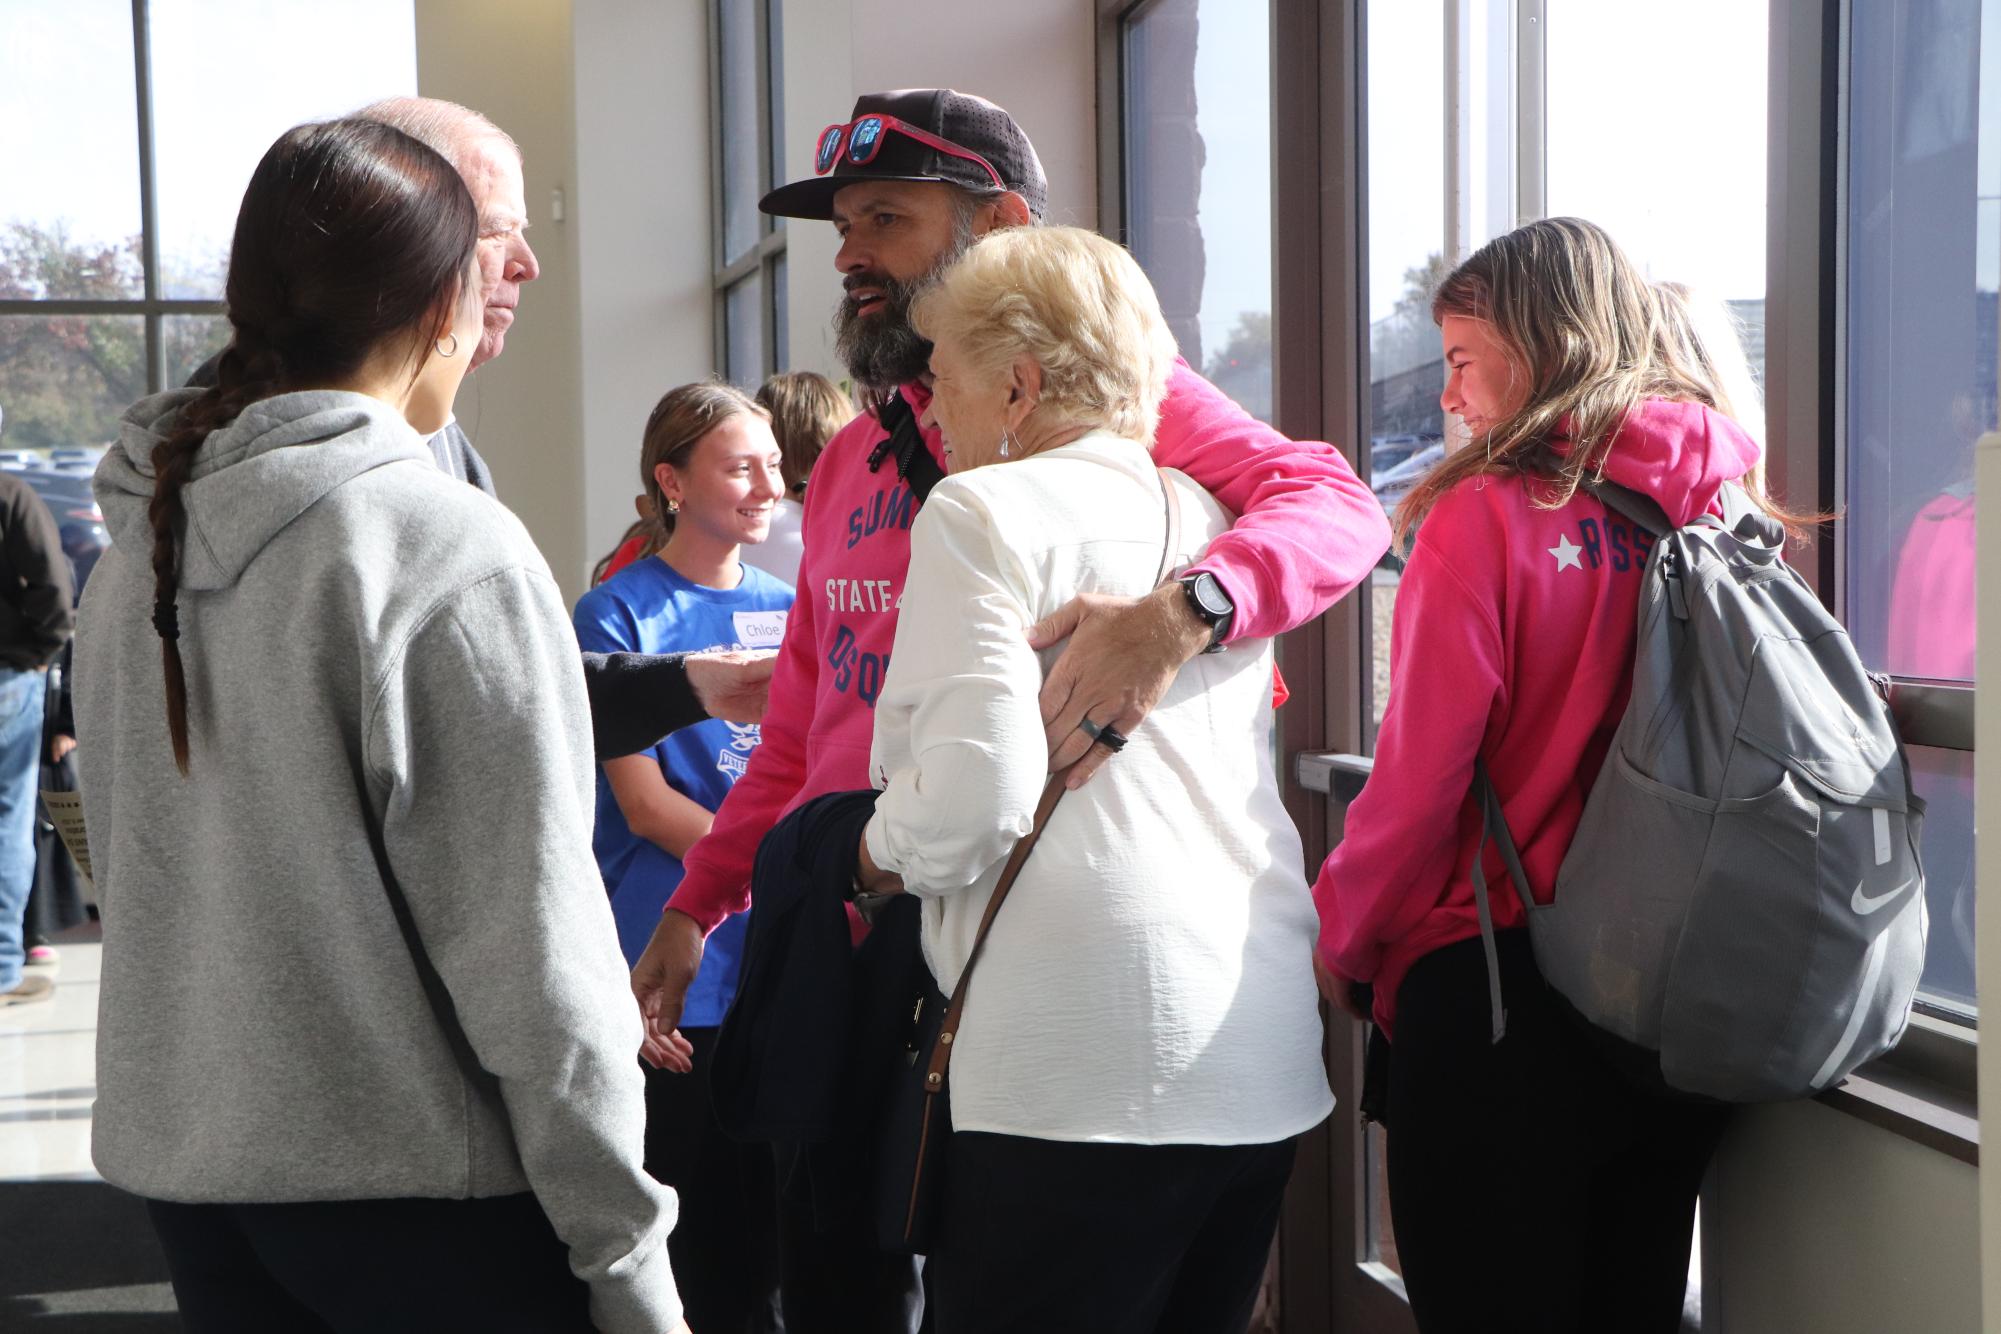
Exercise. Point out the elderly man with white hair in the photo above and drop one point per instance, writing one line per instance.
(635, 698)
(490, 162)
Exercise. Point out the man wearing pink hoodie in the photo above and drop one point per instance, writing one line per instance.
(910, 181)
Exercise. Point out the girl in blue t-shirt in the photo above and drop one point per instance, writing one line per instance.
(711, 467)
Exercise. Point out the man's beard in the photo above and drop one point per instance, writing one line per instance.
(881, 350)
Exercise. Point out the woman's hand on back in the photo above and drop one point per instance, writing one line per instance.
(1122, 656)
(660, 982)
(1339, 991)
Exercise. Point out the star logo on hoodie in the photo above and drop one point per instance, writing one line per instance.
(1567, 553)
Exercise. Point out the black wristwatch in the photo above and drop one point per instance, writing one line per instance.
(1207, 600)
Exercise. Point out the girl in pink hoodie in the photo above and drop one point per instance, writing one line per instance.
(1530, 1186)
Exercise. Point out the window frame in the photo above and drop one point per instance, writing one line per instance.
(758, 262)
(1924, 1090)
(1319, 365)
(153, 308)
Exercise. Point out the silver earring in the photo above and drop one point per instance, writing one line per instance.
(1006, 442)
(451, 351)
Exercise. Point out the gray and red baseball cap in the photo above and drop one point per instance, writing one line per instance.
(917, 134)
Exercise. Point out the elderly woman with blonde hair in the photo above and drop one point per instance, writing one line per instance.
(1140, 1043)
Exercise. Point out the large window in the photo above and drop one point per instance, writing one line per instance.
(1197, 77)
(750, 158)
(1707, 231)
(1869, 208)
(128, 130)
(1923, 321)
(1411, 246)
(1483, 114)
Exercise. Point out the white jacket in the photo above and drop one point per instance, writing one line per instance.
(1149, 979)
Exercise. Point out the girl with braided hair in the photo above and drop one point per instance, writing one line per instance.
(365, 1043)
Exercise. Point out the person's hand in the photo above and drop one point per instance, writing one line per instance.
(732, 685)
(1338, 990)
(59, 746)
(873, 879)
(660, 982)
(1122, 657)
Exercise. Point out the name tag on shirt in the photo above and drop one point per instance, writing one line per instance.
(759, 629)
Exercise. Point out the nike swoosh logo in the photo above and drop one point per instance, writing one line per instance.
(1864, 904)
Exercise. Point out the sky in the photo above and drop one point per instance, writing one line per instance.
(1678, 179)
(1605, 151)
(1233, 113)
(68, 148)
(69, 127)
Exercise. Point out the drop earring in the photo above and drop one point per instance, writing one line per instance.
(1006, 443)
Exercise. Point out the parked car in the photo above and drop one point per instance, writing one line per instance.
(1392, 486)
(1386, 452)
(78, 519)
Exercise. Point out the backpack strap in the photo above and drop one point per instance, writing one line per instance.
(914, 464)
(1740, 514)
(1747, 519)
(1645, 511)
(1494, 828)
(1641, 509)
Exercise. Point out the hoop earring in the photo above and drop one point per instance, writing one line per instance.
(443, 351)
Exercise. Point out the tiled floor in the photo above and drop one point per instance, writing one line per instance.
(78, 1256)
(48, 1077)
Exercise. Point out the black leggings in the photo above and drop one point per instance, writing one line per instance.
(370, 1267)
(1531, 1186)
(1068, 1238)
(724, 1245)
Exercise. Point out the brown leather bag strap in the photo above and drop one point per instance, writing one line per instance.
(941, 1054)
(1173, 543)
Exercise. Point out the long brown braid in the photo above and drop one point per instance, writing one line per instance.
(352, 238)
(241, 379)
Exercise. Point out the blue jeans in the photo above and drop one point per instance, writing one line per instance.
(20, 768)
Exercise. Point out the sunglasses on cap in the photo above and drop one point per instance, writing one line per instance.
(863, 137)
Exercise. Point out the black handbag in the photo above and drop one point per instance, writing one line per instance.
(917, 1124)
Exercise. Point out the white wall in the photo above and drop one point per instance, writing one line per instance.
(819, 89)
(642, 217)
(511, 59)
(1816, 1222)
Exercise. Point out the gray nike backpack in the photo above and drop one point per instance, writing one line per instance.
(1743, 900)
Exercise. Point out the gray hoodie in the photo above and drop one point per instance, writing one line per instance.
(363, 950)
